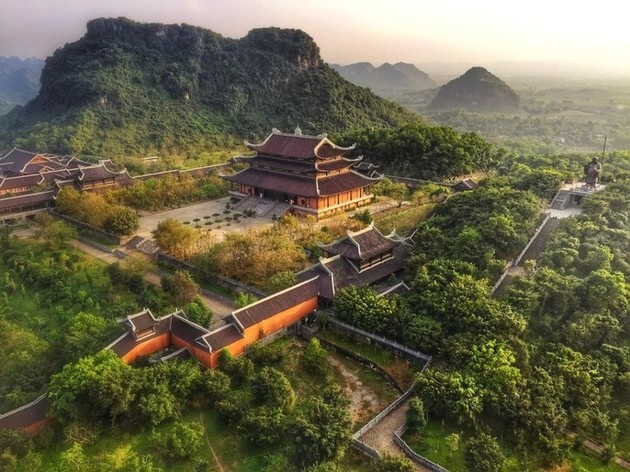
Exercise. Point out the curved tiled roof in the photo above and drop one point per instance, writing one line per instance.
(273, 304)
(298, 146)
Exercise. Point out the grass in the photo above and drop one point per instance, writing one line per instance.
(402, 370)
(623, 440)
(402, 219)
(432, 445)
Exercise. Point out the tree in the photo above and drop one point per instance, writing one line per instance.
(271, 388)
(322, 431)
(181, 286)
(74, 458)
(282, 280)
(264, 426)
(452, 442)
(86, 334)
(57, 234)
(315, 358)
(416, 417)
(451, 394)
(180, 240)
(483, 454)
(216, 384)
(243, 299)
(95, 387)
(123, 221)
(198, 312)
(390, 463)
(180, 441)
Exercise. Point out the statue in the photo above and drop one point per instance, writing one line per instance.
(592, 171)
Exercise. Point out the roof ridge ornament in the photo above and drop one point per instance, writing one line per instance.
(298, 131)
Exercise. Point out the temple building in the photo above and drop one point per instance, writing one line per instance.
(29, 181)
(309, 172)
(363, 257)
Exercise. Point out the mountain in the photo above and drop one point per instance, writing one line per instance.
(19, 81)
(477, 90)
(387, 76)
(128, 88)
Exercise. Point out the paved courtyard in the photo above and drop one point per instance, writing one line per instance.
(210, 211)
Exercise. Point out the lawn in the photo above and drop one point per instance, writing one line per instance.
(432, 445)
(402, 219)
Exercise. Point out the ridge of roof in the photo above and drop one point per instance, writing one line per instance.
(273, 295)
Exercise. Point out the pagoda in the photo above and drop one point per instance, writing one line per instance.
(311, 173)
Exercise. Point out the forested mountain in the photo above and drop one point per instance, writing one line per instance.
(19, 81)
(387, 76)
(477, 90)
(128, 88)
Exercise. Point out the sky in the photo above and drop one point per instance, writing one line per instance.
(565, 35)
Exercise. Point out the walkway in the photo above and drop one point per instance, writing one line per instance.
(218, 305)
(381, 436)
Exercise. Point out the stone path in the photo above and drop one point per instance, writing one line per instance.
(381, 436)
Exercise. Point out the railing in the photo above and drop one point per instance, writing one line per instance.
(505, 273)
(538, 230)
(388, 409)
(381, 340)
(413, 455)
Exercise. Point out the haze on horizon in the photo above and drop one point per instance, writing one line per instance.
(558, 34)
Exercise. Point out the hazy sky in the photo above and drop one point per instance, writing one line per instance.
(591, 35)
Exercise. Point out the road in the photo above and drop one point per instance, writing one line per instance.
(218, 305)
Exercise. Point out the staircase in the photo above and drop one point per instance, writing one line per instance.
(540, 241)
(381, 436)
(560, 200)
(263, 208)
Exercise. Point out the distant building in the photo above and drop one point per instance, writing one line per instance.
(309, 172)
(30, 181)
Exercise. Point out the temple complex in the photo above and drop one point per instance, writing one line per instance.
(309, 172)
(29, 181)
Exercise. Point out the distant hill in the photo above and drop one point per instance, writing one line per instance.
(19, 81)
(387, 76)
(128, 88)
(477, 90)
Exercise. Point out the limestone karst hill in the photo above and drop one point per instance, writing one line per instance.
(128, 88)
(478, 90)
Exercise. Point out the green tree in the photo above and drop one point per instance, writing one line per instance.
(95, 387)
(389, 463)
(315, 358)
(483, 454)
(416, 416)
(180, 441)
(271, 388)
(322, 431)
(452, 442)
(264, 426)
(123, 221)
(181, 286)
(198, 312)
(282, 280)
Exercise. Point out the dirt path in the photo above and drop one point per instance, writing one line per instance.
(363, 401)
(205, 435)
(218, 306)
